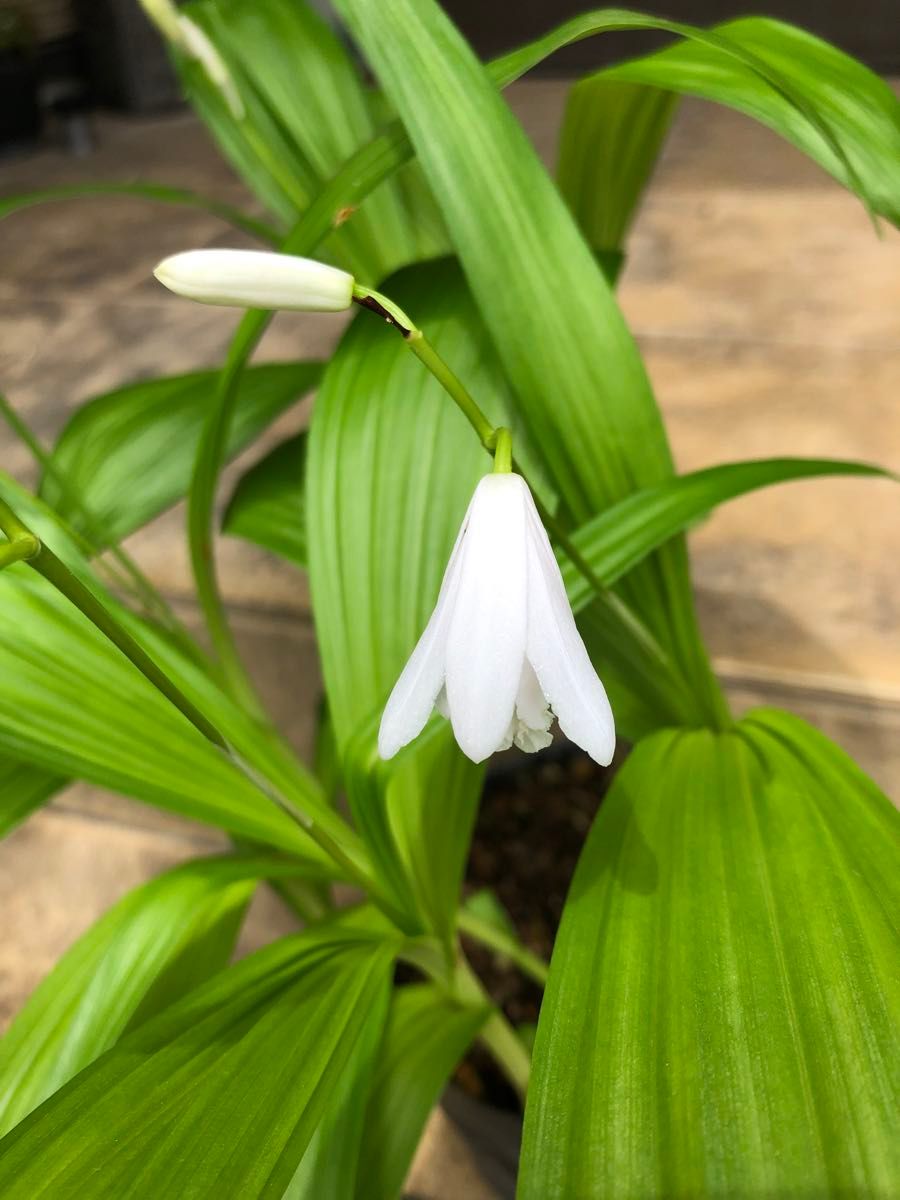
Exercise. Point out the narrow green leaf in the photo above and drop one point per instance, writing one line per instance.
(160, 193)
(23, 788)
(721, 1014)
(72, 704)
(609, 142)
(128, 454)
(796, 97)
(220, 1094)
(859, 108)
(579, 383)
(615, 541)
(268, 505)
(485, 920)
(147, 951)
(425, 1037)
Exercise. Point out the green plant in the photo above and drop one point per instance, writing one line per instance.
(720, 1012)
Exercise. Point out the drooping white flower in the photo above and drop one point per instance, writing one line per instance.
(256, 279)
(501, 649)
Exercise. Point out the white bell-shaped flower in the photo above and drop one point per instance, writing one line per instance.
(256, 279)
(501, 649)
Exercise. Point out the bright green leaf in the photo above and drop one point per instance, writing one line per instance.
(721, 1016)
(769, 60)
(128, 455)
(619, 538)
(860, 109)
(425, 1037)
(147, 951)
(220, 1094)
(72, 704)
(329, 1168)
(268, 504)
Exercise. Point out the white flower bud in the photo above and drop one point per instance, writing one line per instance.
(256, 279)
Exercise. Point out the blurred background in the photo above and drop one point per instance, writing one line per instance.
(59, 59)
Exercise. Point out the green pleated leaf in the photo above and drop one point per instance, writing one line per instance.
(610, 139)
(580, 387)
(329, 1169)
(159, 193)
(221, 1093)
(721, 1014)
(73, 705)
(128, 455)
(860, 108)
(23, 788)
(268, 505)
(425, 1037)
(615, 541)
(154, 946)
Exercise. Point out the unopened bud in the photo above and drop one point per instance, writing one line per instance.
(256, 279)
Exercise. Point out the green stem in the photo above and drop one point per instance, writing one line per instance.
(29, 548)
(503, 944)
(58, 574)
(501, 1040)
(463, 986)
(420, 346)
(503, 452)
(427, 354)
(497, 1035)
(19, 550)
(211, 451)
(135, 580)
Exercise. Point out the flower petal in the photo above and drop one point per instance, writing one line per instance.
(558, 656)
(486, 641)
(422, 680)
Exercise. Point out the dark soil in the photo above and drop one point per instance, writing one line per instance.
(535, 815)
